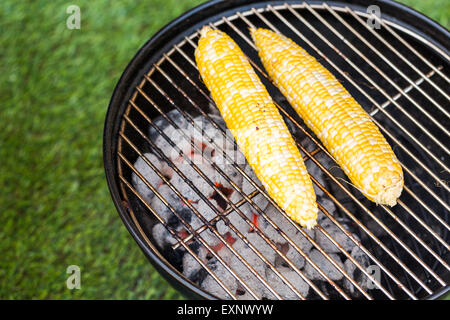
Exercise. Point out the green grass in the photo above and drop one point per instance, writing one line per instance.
(55, 85)
(438, 10)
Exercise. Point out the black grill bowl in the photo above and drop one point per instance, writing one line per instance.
(137, 219)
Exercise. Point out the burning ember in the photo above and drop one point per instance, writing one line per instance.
(243, 235)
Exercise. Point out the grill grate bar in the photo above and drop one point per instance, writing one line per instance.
(376, 110)
(172, 82)
(250, 223)
(123, 158)
(411, 136)
(406, 44)
(387, 44)
(413, 249)
(427, 227)
(359, 88)
(424, 205)
(161, 220)
(436, 122)
(175, 235)
(390, 212)
(213, 142)
(259, 210)
(383, 226)
(235, 208)
(407, 89)
(186, 202)
(239, 203)
(365, 94)
(418, 239)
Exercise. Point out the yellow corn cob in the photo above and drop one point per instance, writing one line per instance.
(257, 125)
(336, 118)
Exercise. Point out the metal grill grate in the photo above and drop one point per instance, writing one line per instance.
(405, 92)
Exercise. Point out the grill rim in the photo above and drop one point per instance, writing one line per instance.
(168, 34)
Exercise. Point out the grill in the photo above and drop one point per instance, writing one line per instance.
(398, 72)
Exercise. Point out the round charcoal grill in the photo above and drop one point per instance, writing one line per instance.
(397, 68)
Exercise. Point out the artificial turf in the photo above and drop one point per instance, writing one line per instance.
(55, 85)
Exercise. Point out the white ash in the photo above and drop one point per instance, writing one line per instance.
(324, 264)
(291, 229)
(171, 132)
(325, 243)
(149, 174)
(282, 288)
(249, 277)
(233, 175)
(162, 236)
(160, 207)
(330, 209)
(355, 272)
(203, 156)
(205, 210)
(262, 247)
(210, 238)
(259, 200)
(233, 218)
(210, 285)
(190, 265)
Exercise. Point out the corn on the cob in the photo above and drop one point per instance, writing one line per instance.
(336, 118)
(256, 124)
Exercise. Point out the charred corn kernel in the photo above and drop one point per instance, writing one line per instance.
(336, 118)
(256, 124)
